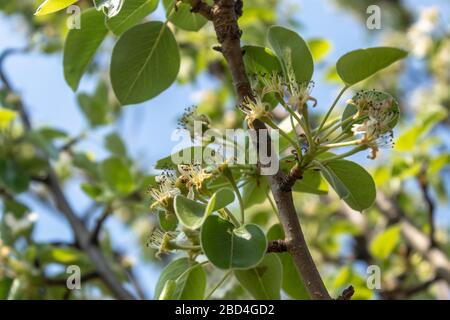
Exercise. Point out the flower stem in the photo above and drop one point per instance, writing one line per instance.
(331, 109)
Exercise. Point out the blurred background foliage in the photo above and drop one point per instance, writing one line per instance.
(405, 233)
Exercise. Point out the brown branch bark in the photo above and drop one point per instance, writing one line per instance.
(224, 16)
(82, 234)
(423, 184)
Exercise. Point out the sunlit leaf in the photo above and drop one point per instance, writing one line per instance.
(360, 64)
(81, 46)
(385, 242)
(144, 63)
(50, 6)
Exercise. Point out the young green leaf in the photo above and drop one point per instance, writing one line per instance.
(260, 60)
(385, 242)
(190, 280)
(132, 12)
(287, 44)
(50, 6)
(117, 175)
(319, 48)
(81, 46)
(255, 191)
(182, 16)
(227, 247)
(219, 200)
(190, 213)
(263, 282)
(351, 182)
(145, 62)
(311, 182)
(360, 64)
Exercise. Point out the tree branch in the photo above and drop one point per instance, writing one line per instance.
(224, 15)
(419, 241)
(423, 184)
(81, 233)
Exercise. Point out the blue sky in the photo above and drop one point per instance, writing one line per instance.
(51, 102)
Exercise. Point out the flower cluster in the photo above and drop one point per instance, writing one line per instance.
(376, 115)
(193, 176)
(170, 183)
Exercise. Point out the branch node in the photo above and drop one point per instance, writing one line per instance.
(347, 294)
(277, 246)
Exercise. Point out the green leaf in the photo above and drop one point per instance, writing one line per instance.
(385, 242)
(145, 62)
(424, 123)
(352, 183)
(263, 282)
(5, 285)
(227, 247)
(260, 60)
(91, 190)
(12, 176)
(182, 17)
(255, 191)
(50, 6)
(95, 107)
(288, 44)
(220, 199)
(190, 280)
(132, 12)
(311, 182)
(189, 212)
(60, 255)
(360, 64)
(167, 220)
(81, 46)
(292, 283)
(192, 214)
(117, 175)
(319, 48)
(115, 144)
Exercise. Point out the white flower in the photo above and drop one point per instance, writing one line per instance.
(255, 109)
(193, 176)
(272, 83)
(161, 241)
(378, 112)
(298, 93)
(420, 34)
(21, 224)
(165, 192)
